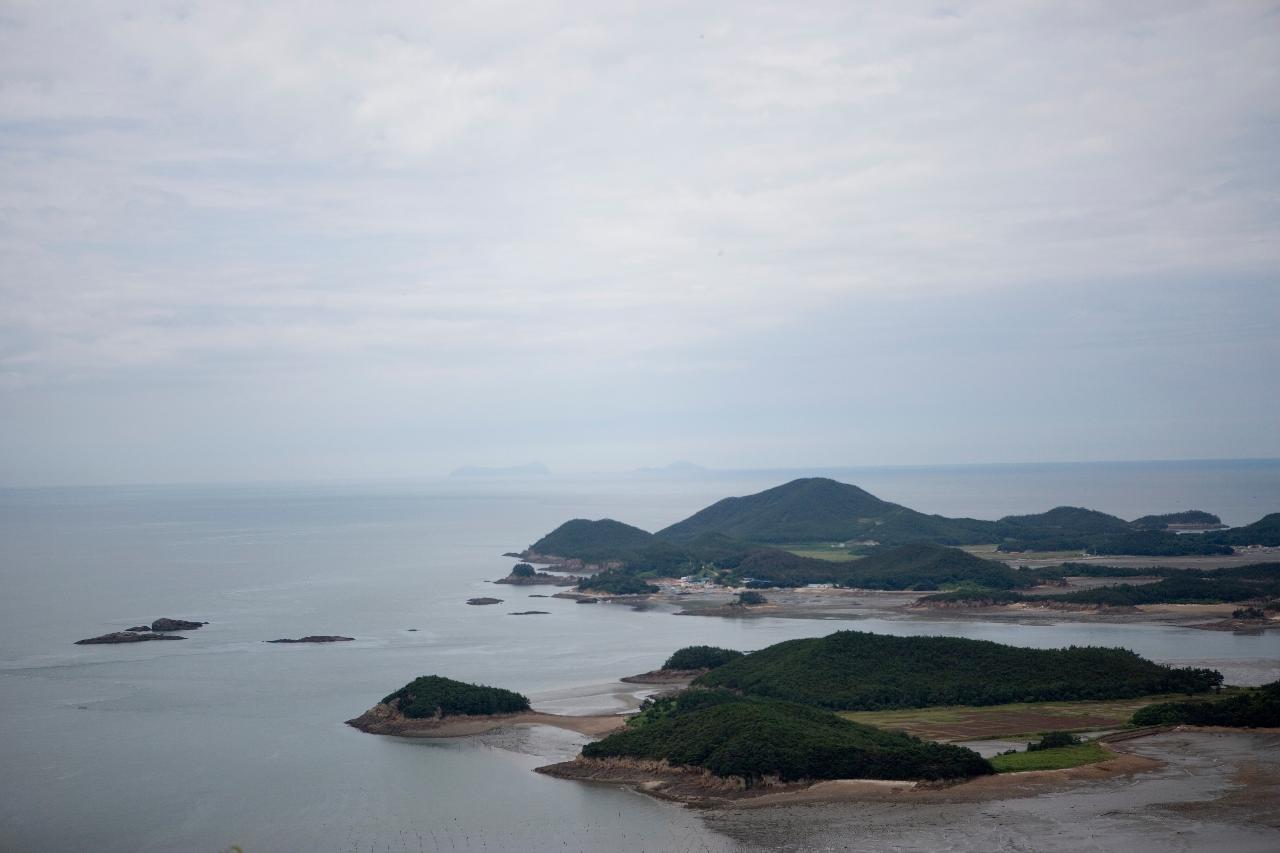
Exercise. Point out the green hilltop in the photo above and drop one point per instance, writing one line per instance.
(752, 739)
(741, 537)
(436, 696)
(817, 509)
(857, 671)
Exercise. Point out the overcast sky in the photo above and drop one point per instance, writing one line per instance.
(293, 240)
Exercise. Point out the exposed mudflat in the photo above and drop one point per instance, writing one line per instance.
(1199, 790)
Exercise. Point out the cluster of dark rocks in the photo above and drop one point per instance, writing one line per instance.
(160, 629)
(164, 628)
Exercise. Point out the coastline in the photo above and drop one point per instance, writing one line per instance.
(382, 719)
(700, 788)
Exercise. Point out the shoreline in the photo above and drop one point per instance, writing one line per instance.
(382, 719)
(699, 788)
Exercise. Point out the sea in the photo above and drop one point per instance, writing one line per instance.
(224, 742)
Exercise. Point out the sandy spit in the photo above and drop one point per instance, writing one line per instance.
(382, 719)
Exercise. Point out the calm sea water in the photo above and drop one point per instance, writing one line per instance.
(222, 739)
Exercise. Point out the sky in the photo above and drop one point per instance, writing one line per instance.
(296, 240)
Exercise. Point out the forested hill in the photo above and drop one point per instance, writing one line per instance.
(593, 541)
(853, 670)
(817, 509)
(754, 739)
(743, 532)
(929, 567)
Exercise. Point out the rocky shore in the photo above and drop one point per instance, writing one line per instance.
(664, 676)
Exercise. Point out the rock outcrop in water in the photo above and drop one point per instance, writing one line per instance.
(481, 601)
(126, 637)
(315, 638)
(166, 624)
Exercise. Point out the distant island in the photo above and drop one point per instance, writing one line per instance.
(532, 469)
(786, 536)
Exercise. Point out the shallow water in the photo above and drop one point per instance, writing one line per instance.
(221, 739)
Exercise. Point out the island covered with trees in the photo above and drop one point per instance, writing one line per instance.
(859, 671)
(751, 540)
(753, 739)
(434, 696)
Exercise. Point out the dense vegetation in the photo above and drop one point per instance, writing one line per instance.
(1067, 528)
(857, 671)
(592, 541)
(1264, 531)
(1256, 709)
(735, 538)
(700, 657)
(523, 570)
(928, 567)
(1158, 545)
(972, 597)
(1160, 522)
(434, 695)
(754, 739)
(1053, 740)
(1178, 586)
(817, 509)
(615, 582)
(904, 567)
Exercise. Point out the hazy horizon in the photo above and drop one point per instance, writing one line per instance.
(308, 242)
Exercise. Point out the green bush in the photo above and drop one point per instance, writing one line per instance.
(1053, 740)
(700, 657)
(434, 695)
(616, 582)
(1256, 709)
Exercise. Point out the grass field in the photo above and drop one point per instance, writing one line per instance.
(834, 555)
(1051, 759)
(1024, 719)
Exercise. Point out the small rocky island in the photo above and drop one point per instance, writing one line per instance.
(523, 574)
(430, 699)
(316, 638)
(160, 629)
(130, 636)
(483, 601)
(434, 706)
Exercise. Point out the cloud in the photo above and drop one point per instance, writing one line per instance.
(552, 190)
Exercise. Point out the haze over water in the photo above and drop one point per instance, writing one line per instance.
(221, 739)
